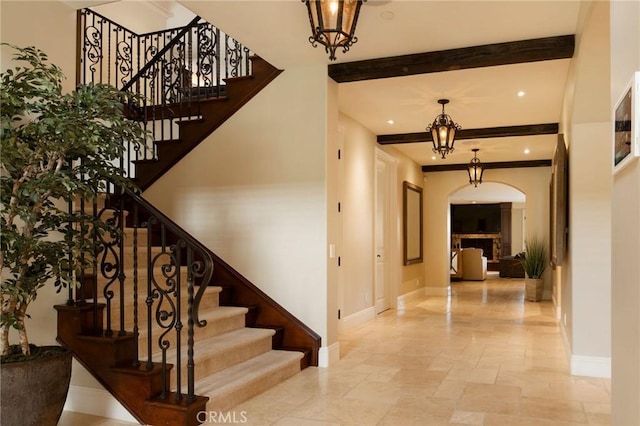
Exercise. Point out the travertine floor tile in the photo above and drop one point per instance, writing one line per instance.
(553, 409)
(483, 356)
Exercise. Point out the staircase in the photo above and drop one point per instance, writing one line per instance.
(234, 362)
(196, 119)
(164, 324)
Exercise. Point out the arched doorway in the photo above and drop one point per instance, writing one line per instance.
(491, 217)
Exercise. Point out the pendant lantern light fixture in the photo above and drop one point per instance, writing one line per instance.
(475, 169)
(443, 131)
(333, 23)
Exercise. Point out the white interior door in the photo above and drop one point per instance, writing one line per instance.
(381, 218)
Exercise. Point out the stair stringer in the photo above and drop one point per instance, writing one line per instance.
(110, 361)
(214, 113)
(266, 312)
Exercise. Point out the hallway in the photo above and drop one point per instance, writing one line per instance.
(483, 356)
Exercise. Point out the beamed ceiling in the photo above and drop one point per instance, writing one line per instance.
(479, 54)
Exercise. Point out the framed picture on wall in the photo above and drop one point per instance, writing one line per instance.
(626, 117)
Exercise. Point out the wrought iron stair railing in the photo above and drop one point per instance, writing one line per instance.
(164, 261)
(169, 70)
(149, 278)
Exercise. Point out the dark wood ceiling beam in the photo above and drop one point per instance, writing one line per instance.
(489, 132)
(489, 166)
(515, 52)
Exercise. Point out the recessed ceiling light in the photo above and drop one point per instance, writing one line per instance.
(521, 93)
(390, 122)
(433, 158)
(527, 151)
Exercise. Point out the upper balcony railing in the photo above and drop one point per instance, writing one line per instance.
(170, 70)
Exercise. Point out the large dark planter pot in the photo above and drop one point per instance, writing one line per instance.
(33, 392)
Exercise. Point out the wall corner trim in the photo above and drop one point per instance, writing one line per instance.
(329, 355)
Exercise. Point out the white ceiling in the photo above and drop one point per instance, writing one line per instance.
(480, 98)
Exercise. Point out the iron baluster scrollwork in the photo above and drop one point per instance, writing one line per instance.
(164, 291)
(136, 329)
(150, 293)
(207, 58)
(109, 259)
(124, 60)
(174, 74)
(92, 49)
(121, 275)
(190, 329)
(234, 57)
(180, 245)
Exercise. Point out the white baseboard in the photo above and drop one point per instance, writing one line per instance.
(415, 294)
(359, 318)
(329, 355)
(97, 402)
(437, 291)
(591, 366)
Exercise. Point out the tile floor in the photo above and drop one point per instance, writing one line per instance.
(483, 356)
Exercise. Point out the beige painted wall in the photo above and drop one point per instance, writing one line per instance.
(141, 17)
(412, 276)
(358, 190)
(625, 250)
(534, 182)
(358, 216)
(254, 192)
(334, 232)
(585, 288)
(518, 230)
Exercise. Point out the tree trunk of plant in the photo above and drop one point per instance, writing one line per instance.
(4, 340)
(17, 309)
(22, 331)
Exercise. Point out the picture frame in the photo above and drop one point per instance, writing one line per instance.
(626, 123)
(412, 224)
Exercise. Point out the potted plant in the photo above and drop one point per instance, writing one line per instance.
(534, 262)
(56, 148)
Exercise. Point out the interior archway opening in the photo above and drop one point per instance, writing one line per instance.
(490, 217)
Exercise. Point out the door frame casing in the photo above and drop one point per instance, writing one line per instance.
(393, 254)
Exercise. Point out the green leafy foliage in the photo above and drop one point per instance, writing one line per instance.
(55, 148)
(535, 259)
